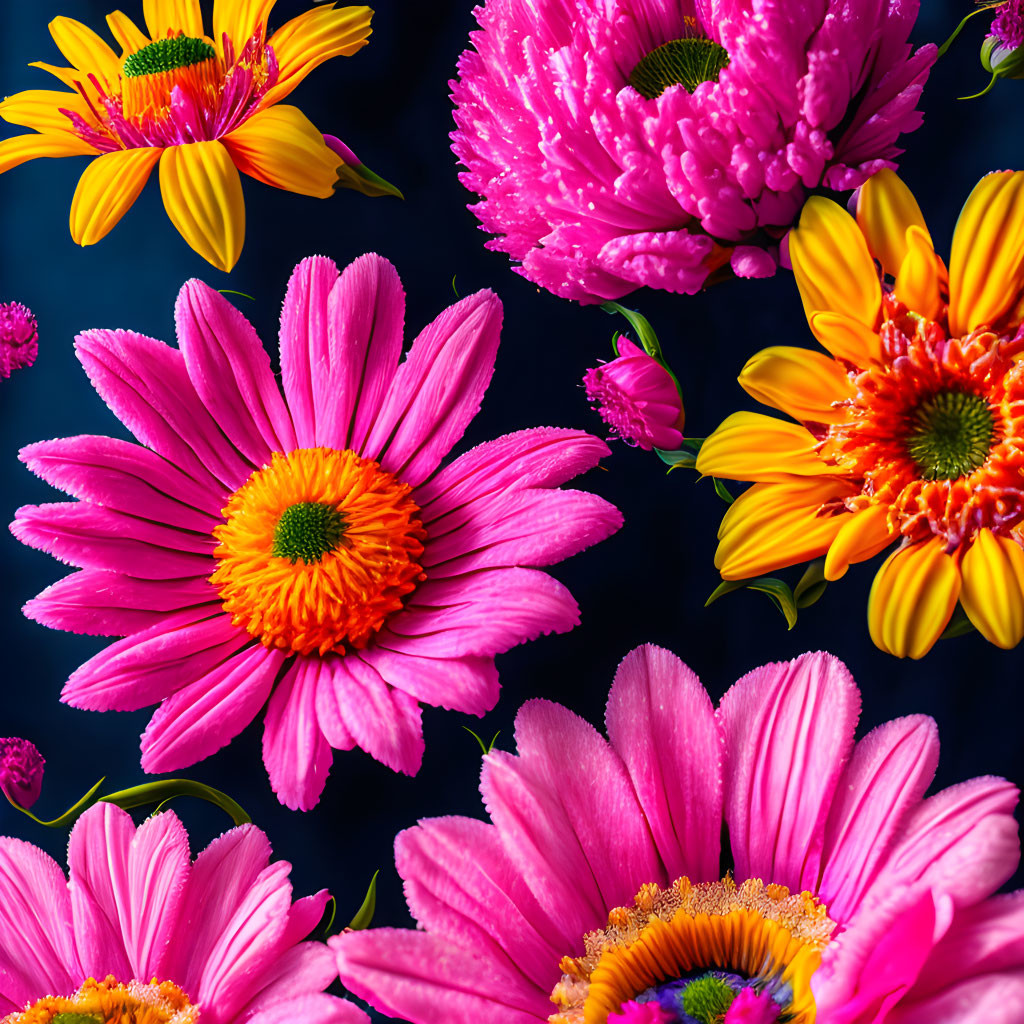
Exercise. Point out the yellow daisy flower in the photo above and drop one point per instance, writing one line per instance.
(911, 429)
(203, 107)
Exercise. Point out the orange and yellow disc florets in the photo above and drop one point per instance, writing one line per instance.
(759, 933)
(109, 1002)
(317, 550)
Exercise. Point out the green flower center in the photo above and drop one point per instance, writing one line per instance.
(307, 530)
(952, 435)
(167, 55)
(76, 1018)
(685, 62)
(707, 999)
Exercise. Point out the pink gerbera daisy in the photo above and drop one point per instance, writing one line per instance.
(305, 553)
(141, 934)
(605, 889)
(621, 143)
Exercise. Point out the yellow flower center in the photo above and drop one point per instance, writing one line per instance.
(109, 1002)
(675, 945)
(150, 75)
(317, 550)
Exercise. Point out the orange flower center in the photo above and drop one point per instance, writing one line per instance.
(317, 550)
(151, 74)
(109, 1002)
(694, 948)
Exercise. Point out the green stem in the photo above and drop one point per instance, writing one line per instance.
(168, 789)
(646, 336)
(949, 42)
(978, 95)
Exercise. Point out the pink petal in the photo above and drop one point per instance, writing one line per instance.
(991, 998)
(146, 385)
(125, 477)
(788, 731)
(37, 954)
(104, 603)
(482, 614)
(425, 979)
(385, 722)
(93, 537)
(295, 752)
(206, 715)
(662, 724)
(230, 371)
(319, 1007)
(437, 389)
(479, 902)
(146, 667)
(885, 779)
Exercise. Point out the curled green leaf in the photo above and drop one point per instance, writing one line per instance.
(485, 748)
(812, 584)
(169, 789)
(722, 491)
(777, 590)
(959, 625)
(364, 915)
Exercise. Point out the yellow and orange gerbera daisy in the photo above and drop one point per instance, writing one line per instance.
(202, 106)
(911, 430)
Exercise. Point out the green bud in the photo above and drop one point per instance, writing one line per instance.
(1000, 60)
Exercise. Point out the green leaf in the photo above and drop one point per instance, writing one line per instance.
(70, 816)
(362, 179)
(364, 915)
(678, 459)
(642, 326)
(812, 584)
(169, 789)
(722, 491)
(959, 625)
(327, 921)
(490, 746)
(231, 291)
(777, 590)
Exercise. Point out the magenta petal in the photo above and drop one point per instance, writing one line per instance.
(991, 998)
(37, 954)
(788, 730)
(480, 901)
(385, 722)
(147, 667)
(885, 779)
(206, 715)
(125, 477)
(437, 389)
(296, 754)
(146, 385)
(93, 537)
(425, 979)
(230, 371)
(304, 345)
(662, 724)
(313, 1006)
(103, 603)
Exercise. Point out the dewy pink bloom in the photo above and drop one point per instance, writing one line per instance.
(1008, 24)
(621, 143)
(21, 771)
(638, 399)
(144, 933)
(305, 553)
(19, 337)
(842, 893)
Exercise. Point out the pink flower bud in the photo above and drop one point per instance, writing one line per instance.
(21, 771)
(641, 1013)
(749, 1007)
(18, 337)
(638, 399)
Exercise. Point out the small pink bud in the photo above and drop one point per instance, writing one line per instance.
(641, 1013)
(21, 771)
(18, 337)
(750, 1007)
(638, 399)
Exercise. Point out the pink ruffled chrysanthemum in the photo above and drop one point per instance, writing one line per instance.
(140, 932)
(19, 337)
(305, 553)
(1008, 24)
(604, 882)
(21, 771)
(621, 143)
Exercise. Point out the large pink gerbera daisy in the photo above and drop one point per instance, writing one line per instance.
(143, 935)
(305, 553)
(605, 889)
(621, 143)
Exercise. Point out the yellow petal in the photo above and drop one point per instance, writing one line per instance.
(863, 535)
(846, 338)
(912, 598)
(107, 188)
(86, 51)
(281, 147)
(986, 266)
(885, 209)
(28, 147)
(202, 194)
(922, 277)
(173, 16)
(40, 109)
(832, 265)
(305, 42)
(993, 591)
(800, 382)
(750, 446)
(239, 19)
(773, 525)
(128, 35)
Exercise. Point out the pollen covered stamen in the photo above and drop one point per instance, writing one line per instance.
(110, 1002)
(952, 435)
(685, 62)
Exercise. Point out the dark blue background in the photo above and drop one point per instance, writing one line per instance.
(648, 583)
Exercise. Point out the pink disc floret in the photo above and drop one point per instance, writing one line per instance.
(19, 337)
(21, 771)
